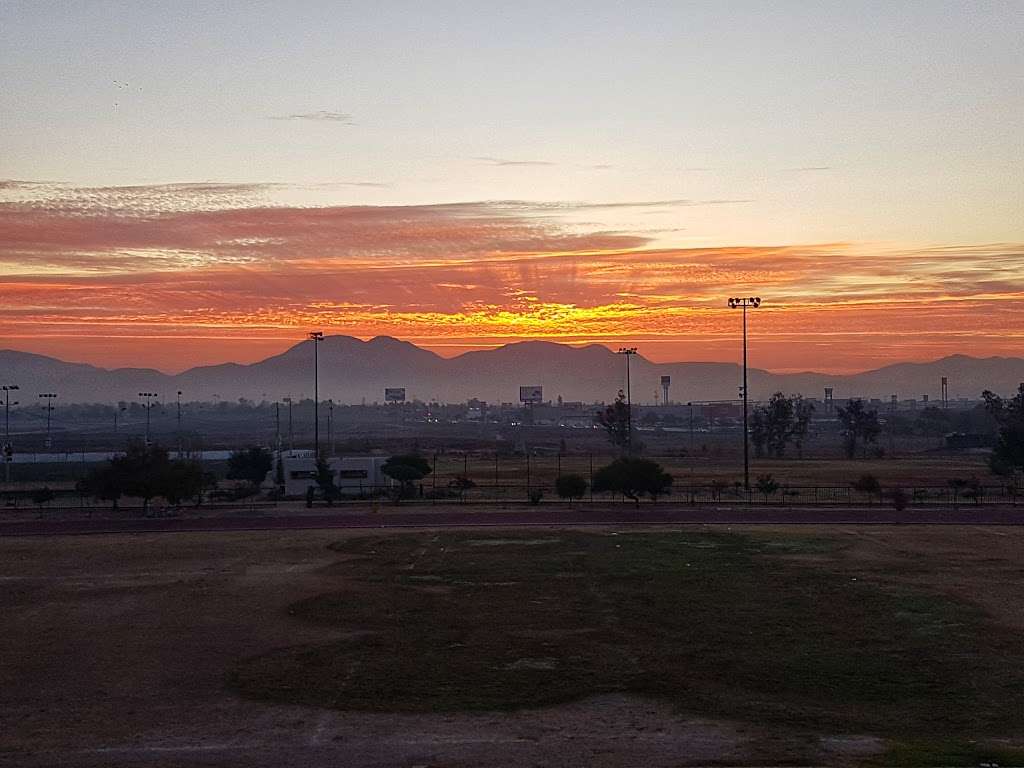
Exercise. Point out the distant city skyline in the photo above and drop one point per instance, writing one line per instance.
(196, 183)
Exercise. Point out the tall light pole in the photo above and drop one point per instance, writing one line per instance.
(753, 302)
(628, 352)
(149, 406)
(49, 397)
(317, 337)
(8, 448)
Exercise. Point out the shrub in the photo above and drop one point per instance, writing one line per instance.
(570, 487)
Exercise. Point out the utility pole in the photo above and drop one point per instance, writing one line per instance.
(753, 302)
(628, 352)
(316, 337)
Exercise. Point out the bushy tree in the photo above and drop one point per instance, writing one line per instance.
(868, 485)
(250, 464)
(143, 470)
(1008, 454)
(767, 485)
(325, 479)
(615, 420)
(633, 478)
(781, 421)
(406, 469)
(570, 486)
(103, 483)
(859, 426)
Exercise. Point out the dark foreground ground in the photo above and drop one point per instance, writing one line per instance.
(610, 646)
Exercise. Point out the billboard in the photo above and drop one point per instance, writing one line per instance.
(531, 394)
(394, 395)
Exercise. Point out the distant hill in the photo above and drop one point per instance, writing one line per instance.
(352, 370)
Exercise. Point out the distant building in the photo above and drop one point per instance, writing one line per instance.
(353, 475)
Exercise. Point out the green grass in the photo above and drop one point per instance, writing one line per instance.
(716, 623)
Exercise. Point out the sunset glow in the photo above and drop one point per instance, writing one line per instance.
(888, 240)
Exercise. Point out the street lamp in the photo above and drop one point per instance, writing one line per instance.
(628, 352)
(49, 397)
(317, 337)
(753, 302)
(149, 406)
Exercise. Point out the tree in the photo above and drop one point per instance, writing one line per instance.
(859, 426)
(867, 484)
(1008, 454)
(633, 477)
(779, 417)
(182, 480)
(41, 496)
(759, 431)
(250, 464)
(143, 469)
(103, 483)
(783, 420)
(803, 410)
(615, 420)
(570, 486)
(460, 485)
(325, 479)
(767, 485)
(406, 469)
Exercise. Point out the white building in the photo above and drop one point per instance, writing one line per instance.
(353, 475)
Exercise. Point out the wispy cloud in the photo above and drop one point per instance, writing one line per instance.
(322, 115)
(501, 161)
(804, 168)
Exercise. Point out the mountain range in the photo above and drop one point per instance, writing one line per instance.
(353, 371)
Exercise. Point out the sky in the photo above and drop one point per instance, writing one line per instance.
(189, 183)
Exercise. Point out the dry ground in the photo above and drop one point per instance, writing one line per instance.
(116, 650)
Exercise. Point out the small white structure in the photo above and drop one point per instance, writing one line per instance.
(353, 475)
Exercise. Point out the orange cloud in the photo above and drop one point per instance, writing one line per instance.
(198, 266)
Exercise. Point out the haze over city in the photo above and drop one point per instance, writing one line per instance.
(198, 183)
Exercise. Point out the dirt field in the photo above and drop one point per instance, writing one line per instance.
(118, 650)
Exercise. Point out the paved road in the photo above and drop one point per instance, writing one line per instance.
(427, 517)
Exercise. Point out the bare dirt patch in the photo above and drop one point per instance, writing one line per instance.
(114, 649)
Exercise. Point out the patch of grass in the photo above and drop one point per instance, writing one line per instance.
(911, 754)
(714, 622)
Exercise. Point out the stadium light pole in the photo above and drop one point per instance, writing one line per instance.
(753, 302)
(49, 397)
(628, 352)
(317, 337)
(149, 406)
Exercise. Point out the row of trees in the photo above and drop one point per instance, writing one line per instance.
(146, 472)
